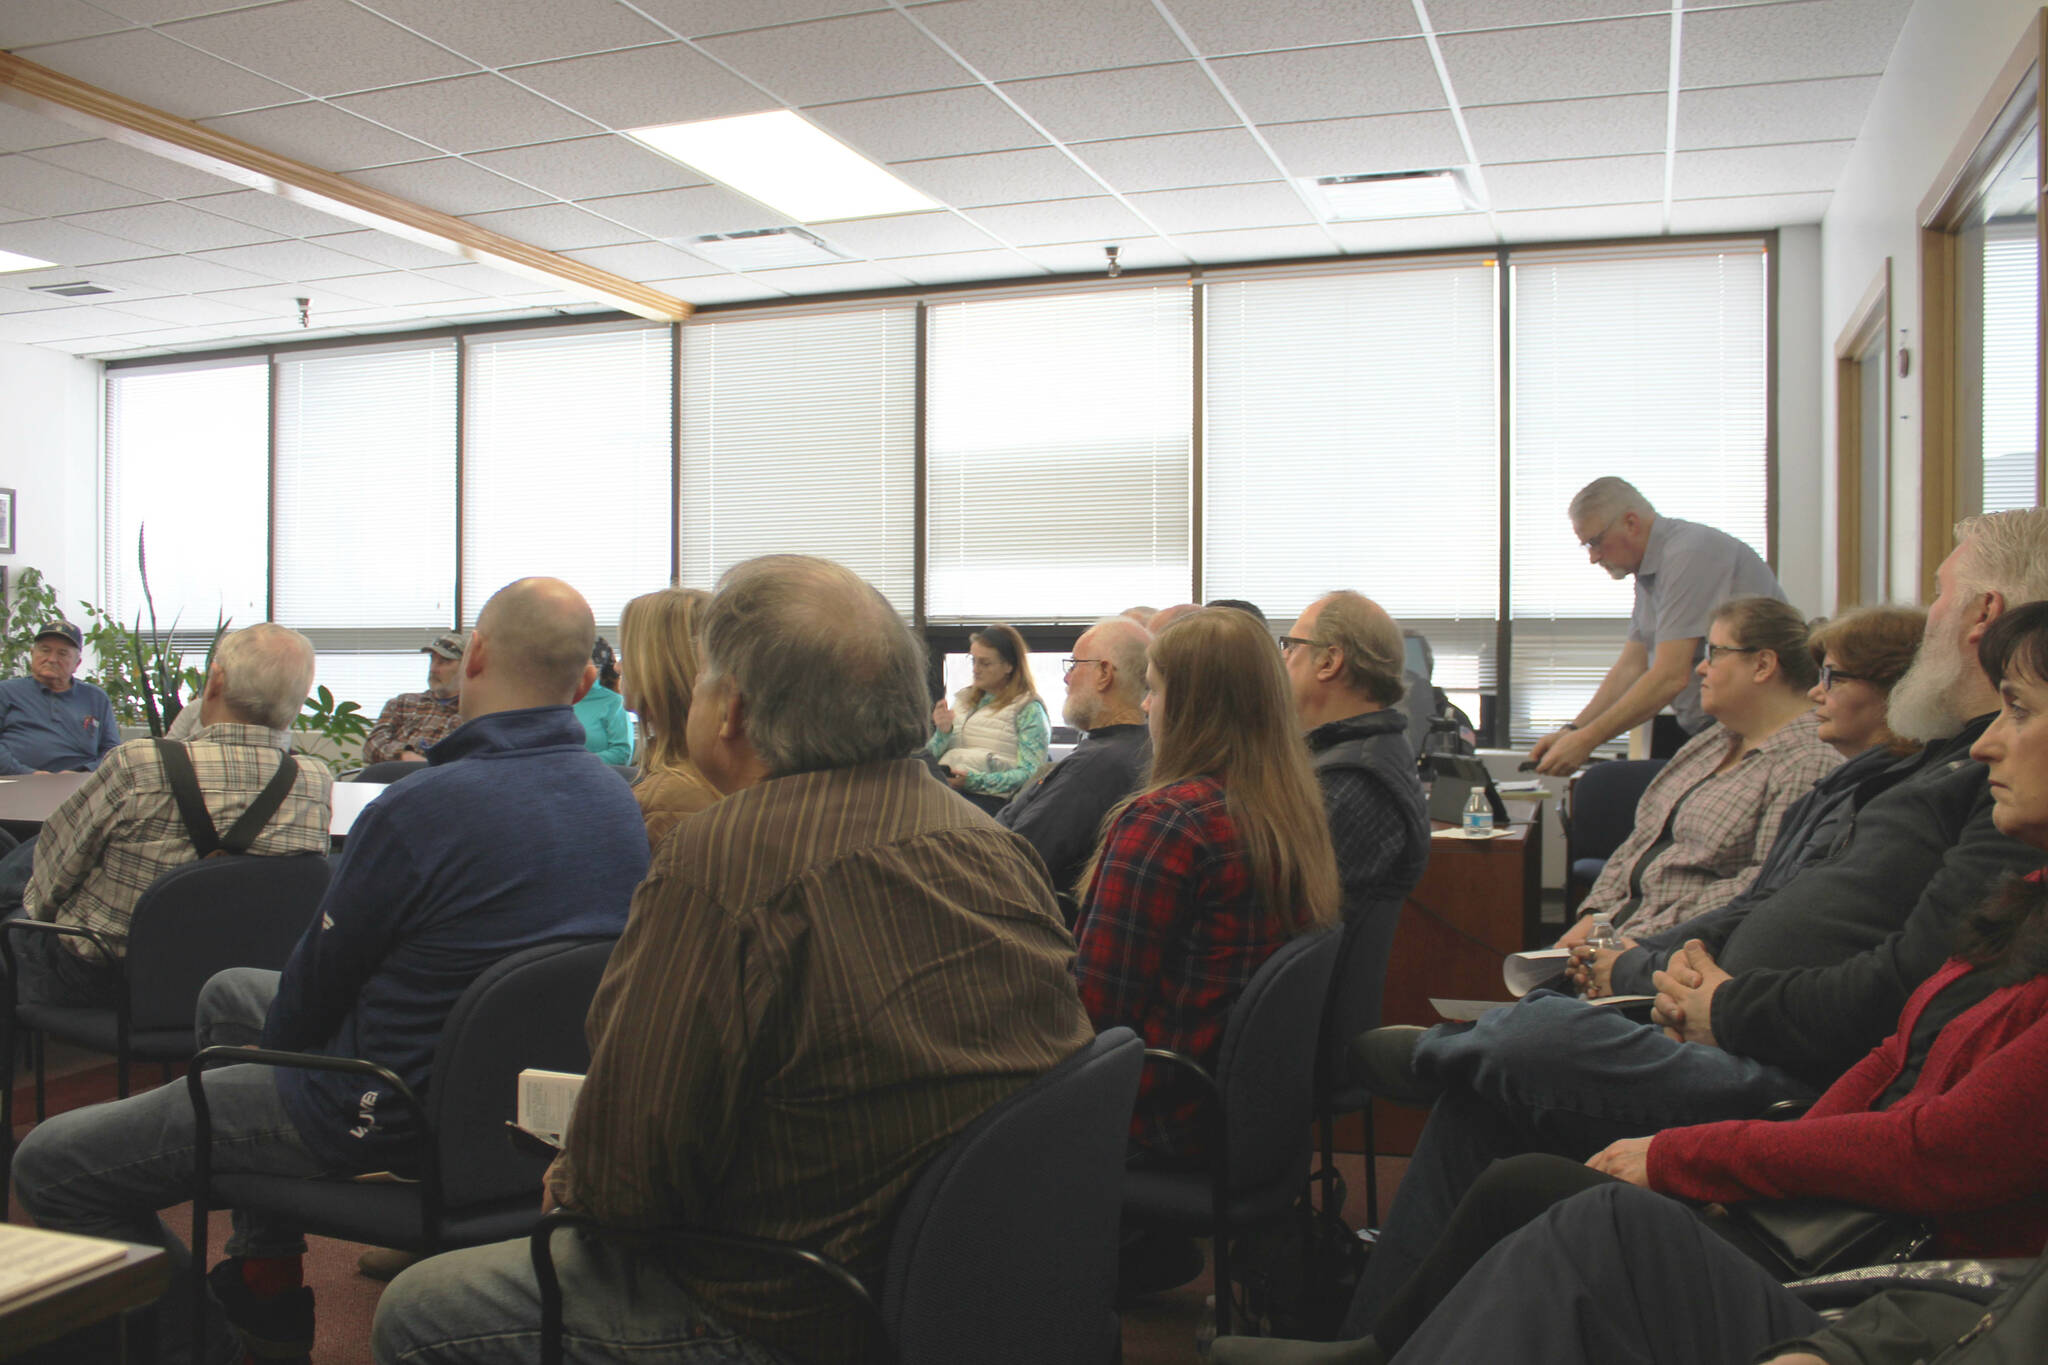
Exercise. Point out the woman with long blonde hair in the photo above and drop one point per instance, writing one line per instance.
(657, 673)
(994, 736)
(1221, 857)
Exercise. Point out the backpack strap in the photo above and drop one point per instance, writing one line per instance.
(242, 834)
(199, 827)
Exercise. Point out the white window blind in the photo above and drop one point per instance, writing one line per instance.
(1650, 366)
(188, 456)
(2011, 363)
(567, 468)
(365, 499)
(799, 435)
(1353, 441)
(369, 679)
(1058, 438)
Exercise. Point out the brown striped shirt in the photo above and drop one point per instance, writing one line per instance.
(824, 978)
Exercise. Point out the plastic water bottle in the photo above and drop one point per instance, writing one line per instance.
(1602, 935)
(1478, 815)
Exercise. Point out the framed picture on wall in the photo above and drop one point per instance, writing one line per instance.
(6, 521)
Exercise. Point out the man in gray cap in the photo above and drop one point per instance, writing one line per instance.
(49, 721)
(412, 722)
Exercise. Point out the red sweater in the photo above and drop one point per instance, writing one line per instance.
(1968, 1146)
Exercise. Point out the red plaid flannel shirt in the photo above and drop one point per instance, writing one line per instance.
(1169, 934)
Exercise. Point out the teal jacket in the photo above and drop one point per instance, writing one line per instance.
(607, 729)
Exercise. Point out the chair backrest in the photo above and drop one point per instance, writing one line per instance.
(1005, 1248)
(1603, 805)
(1267, 1067)
(526, 1010)
(1358, 980)
(389, 771)
(206, 916)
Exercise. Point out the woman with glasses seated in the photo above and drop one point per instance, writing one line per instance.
(994, 735)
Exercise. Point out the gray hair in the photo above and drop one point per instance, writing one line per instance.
(266, 671)
(2007, 554)
(1375, 654)
(1608, 497)
(831, 675)
(1122, 643)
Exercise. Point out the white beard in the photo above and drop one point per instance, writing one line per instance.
(1079, 711)
(1923, 705)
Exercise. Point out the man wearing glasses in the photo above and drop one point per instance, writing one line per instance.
(1683, 571)
(1060, 813)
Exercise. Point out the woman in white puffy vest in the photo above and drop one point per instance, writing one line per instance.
(993, 736)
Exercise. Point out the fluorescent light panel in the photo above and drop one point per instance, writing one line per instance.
(12, 261)
(787, 164)
(1397, 194)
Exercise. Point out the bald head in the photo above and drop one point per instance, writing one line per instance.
(1109, 688)
(531, 647)
(1178, 612)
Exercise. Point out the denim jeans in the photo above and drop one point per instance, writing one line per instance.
(482, 1306)
(1551, 1075)
(107, 1169)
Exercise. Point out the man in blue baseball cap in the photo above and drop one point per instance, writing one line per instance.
(50, 722)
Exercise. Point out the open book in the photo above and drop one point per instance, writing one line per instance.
(547, 1101)
(1522, 973)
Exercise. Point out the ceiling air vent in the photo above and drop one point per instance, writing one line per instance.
(77, 289)
(761, 249)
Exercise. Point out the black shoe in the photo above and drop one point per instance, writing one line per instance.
(1383, 1061)
(279, 1328)
(1154, 1262)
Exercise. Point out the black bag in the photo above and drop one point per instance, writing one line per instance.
(1796, 1239)
(199, 826)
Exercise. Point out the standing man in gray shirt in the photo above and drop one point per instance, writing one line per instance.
(1683, 571)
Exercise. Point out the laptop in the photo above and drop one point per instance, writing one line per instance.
(1455, 775)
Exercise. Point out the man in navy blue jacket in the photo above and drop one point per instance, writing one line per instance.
(515, 835)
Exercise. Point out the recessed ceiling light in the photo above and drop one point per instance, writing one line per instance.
(1393, 194)
(786, 163)
(761, 249)
(10, 261)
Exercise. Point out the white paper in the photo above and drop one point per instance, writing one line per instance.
(547, 1099)
(1524, 972)
(1464, 1011)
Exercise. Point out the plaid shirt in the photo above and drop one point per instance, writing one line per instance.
(120, 831)
(1721, 835)
(410, 720)
(1169, 934)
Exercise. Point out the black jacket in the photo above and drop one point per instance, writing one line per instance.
(1061, 812)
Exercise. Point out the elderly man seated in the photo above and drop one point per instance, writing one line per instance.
(413, 722)
(49, 721)
(122, 829)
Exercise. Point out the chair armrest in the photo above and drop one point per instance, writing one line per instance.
(95, 937)
(540, 1244)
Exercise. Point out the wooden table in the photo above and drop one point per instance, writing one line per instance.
(134, 1281)
(28, 801)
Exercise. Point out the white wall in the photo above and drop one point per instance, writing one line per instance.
(1800, 433)
(1949, 54)
(49, 456)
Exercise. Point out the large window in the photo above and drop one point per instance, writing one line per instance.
(2009, 359)
(566, 464)
(1652, 366)
(799, 432)
(188, 461)
(1059, 435)
(1353, 430)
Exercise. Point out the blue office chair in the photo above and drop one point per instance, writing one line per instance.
(1600, 814)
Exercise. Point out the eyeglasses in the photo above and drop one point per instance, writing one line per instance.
(1592, 542)
(1288, 642)
(1830, 675)
(1716, 651)
(1067, 666)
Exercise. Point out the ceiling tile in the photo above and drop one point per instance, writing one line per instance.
(24, 25)
(395, 287)
(910, 234)
(1258, 244)
(1175, 161)
(1759, 43)
(1367, 146)
(189, 312)
(1747, 213)
(28, 185)
(1560, 62)
(858, 57)
(1569, 184)
(686, 213)
(69, 324)
(1411, 234)
(1583, 224)
(692, 18)
(913, 127)
(1619, 125)
(709, 289)
(321, 135)
(554, 227)
(384, 249)
(468, 114)
(962, 266)
(182, 274)
(1452, 16)
(1012, 39)
(1318, 83)
(1130, 102)
(1140, 252)
(1224, 208)
(1795, 168)
(151, 68)
(281, 216)
(643, 87)
(323, 47)
(999, 177)
(1752, 115)
(22, 301)
(21, 131)
(482, 279)
(831, 279)
(171, 227)
(280, 301)
(166, 11)
(1055, 221)
(646, 261)
(1233, 26)
(138, 170)
(505, 32)
(450, 185)
(587, 167)
(287, 260)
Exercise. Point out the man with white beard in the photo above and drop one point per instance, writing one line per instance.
(1806, 980)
